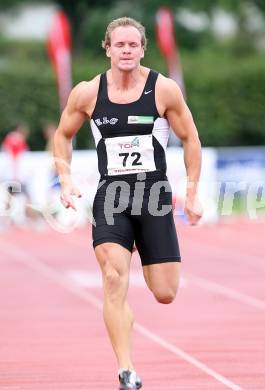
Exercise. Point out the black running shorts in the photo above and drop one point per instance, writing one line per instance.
(128, 210)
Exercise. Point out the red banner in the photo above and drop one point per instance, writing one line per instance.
(168, 46)
(59, 48)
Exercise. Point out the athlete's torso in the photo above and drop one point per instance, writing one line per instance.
(130, 138)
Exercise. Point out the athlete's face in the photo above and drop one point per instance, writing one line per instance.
(125, 50)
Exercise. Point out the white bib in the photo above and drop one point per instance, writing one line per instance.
(130, 154)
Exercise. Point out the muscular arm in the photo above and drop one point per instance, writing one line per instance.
(181, 121)
(71, 120)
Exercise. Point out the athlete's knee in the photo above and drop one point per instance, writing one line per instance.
(165, 296)
(111, 277)
(114, 264)
(113, 273)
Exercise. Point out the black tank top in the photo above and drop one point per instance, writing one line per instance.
(130, 138)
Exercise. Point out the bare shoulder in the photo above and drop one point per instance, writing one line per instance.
(84, 94)
(168, 92)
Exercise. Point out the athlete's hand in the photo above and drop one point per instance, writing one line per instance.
(193, 209)
(68, 191)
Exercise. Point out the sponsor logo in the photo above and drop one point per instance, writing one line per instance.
(147, 92)
(106, 121)
(132, 119)
(129, 145)
(140, 119)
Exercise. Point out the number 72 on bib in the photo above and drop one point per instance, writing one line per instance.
(130, 154)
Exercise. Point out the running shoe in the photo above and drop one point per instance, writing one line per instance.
(129, 380)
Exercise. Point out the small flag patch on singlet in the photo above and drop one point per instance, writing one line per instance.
(140, 119)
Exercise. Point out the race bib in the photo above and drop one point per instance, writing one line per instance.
(130, 154)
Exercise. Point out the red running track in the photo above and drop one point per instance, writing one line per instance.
(52, 336)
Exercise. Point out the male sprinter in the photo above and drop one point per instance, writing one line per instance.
(130, 109)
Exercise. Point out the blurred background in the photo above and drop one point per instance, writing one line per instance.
(52, 334)
(214, 49)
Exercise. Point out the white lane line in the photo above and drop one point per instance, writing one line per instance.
(93, 279)
(33, 263)
(226, 291)
(186, 356)
(2, 387)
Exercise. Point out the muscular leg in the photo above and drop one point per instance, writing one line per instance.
(114, 261)
(163, 279)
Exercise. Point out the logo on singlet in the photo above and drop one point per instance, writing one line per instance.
(140, 119)
(106, 121)
(128, 145)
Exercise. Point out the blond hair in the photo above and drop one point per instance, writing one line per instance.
(124, 22)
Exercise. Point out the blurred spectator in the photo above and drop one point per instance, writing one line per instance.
(48, 133)
(15, 141)
(15, 145)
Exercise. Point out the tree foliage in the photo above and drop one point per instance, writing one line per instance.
(90, 17)
(225, 96)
